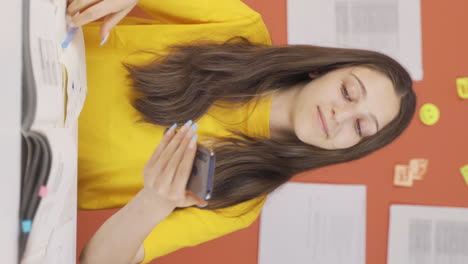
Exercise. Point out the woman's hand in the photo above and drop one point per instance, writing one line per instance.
(90, 10)
(167, 172)
(120, 239)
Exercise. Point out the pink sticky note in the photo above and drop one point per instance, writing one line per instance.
(43, 191)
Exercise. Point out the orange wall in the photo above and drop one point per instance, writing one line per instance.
(445, 57)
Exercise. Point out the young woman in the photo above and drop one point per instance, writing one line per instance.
(269, 112)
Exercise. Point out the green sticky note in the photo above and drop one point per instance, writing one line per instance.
(464, 172)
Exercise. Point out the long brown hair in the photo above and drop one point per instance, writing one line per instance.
(183, 84)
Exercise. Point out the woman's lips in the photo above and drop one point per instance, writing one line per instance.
(322, 121)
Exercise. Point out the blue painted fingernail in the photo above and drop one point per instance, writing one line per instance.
(194, 127)
(105, 39)
(193, 141)
(188, 123)
(172, 128)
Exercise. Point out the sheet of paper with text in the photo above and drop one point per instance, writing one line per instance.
(428, 235)
(392, 27)
(314, 223)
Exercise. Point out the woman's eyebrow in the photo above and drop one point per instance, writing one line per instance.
(364, 91)
(363, 88)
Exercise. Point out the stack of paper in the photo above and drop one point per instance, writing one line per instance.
(54, 90)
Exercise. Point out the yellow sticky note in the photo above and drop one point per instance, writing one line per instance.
(429, 114)
(462, 87)
(464, 172)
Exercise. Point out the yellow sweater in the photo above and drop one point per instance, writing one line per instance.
(113, 149)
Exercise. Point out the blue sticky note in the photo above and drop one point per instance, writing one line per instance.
(26, 226)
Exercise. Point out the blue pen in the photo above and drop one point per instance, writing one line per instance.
(69, 37)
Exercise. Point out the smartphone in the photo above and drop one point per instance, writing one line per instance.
(200, 182)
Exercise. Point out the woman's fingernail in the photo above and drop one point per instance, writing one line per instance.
(169, 130)
(193, 141)
(188, 124)
(202, 206)
(105, 39)
(194, 127)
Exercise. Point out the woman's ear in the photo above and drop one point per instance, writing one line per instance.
(191, 199)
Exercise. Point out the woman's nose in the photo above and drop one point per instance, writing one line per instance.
(342, 113)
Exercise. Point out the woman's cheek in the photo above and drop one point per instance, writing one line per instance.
(345, 140)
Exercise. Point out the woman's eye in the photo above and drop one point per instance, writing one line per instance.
(358, 127)
(345, 93)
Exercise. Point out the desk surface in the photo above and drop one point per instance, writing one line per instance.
(445, 144)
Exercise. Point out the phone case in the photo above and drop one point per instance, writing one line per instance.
(201, 179)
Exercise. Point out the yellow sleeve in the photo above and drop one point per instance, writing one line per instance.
(193, 226)
(196, 11)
